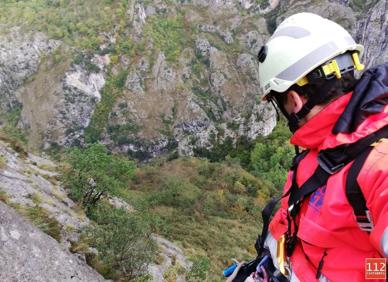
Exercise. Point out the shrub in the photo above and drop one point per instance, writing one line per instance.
(272, 155)
(199, 269)
(123, 241)
(94, 172)
(175, 192)
(169, 36)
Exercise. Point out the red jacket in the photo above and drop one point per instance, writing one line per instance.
(326, 221)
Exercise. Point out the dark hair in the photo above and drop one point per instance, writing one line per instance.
(321, 90)
(327, 89)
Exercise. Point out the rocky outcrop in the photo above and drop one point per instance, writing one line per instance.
(367, 23)
(27, 254)
(29, 183)
(372, 32)
(20, 56)
(32, 182)
(59, 102)
(174, 98)
(172, 257)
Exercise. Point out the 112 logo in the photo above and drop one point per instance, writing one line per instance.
(375, 268)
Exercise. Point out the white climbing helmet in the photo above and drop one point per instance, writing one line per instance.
(301, 43)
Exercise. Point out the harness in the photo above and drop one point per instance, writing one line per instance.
(330, 162)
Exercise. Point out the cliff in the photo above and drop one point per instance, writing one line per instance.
(152, 77)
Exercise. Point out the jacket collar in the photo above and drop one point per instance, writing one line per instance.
(313, 133)
(317, 133)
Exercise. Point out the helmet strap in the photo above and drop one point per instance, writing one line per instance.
(294, 118)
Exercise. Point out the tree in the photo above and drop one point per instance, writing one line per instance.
(123, 240)
(94, 172)
(272, 155)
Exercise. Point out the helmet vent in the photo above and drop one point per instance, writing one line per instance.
(262, 53)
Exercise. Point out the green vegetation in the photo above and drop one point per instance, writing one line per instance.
(112, 90)
(120, 133)
(11, 125)
(3, 162)
(15, 143)
(170, 35)
(272, 155)
(123, 241)
(204, 206)
(358, 4)
(209, 208)
(42, 219)
(94, 173)
(268, 158)
(77, 22)
(198, 272)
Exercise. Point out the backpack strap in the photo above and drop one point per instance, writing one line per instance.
(354, 193)
(330, 162)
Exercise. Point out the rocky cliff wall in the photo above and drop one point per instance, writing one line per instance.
(176, 76)
(27, 254)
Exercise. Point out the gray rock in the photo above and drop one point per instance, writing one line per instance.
(172, 104)
(172, 255)
(135, 83)
(20, 55)
(203, 46)
(27, 254)
(372, 32)
(31, 182)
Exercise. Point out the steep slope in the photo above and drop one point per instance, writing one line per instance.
(27, 254)
(151, 77)
(30, 185)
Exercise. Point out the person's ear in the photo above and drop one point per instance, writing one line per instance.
(296, 100)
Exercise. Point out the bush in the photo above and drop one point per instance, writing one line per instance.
(175, 192)
(123, 240)
(272, 155)
(94, 172)
(112, 90)
(199, 269)
(169, 35)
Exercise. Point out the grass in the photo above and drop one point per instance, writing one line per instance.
(3, 162)
(15, 143)
(170, 35)
(210, 209)
(112, 90)
(42, 219)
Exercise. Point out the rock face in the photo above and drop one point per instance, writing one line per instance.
(373, 27)
(189, 86)
(27, 254)
(172, 256)
(20, 55)
(31, 182)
